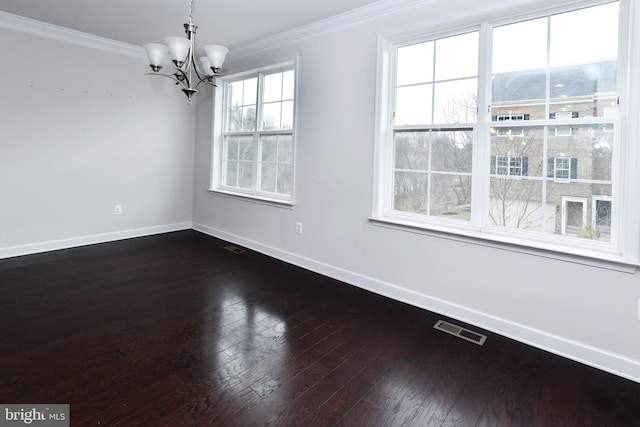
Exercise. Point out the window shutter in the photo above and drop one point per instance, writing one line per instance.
(551, 167)
(574, 168)
(525, 166)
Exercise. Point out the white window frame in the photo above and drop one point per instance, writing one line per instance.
(621, 252)
(557, 163)
(218, 133)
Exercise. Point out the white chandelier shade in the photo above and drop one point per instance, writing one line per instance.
(186, 72)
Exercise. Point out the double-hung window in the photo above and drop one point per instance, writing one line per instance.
(254, 135)
(489, 130)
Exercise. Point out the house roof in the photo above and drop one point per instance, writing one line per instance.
(573, 81)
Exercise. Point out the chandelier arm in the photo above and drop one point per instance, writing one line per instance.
(201, 75)
(169, 76)
(208, 80)
(185, 82)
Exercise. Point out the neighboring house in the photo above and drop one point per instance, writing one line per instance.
(574, 158)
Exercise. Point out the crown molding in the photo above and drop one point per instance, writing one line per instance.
(384, 8)
(327, 25)
(38, 28)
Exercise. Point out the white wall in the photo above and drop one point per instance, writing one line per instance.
(583, 312)
(83, 129)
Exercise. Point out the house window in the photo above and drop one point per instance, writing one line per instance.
(564, 115)
(563, 168)
(503, 117)
(511, 132)
(449, 158)
(256, 141)
(509, 165)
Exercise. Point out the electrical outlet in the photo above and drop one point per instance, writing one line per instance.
(299, 227)
(117, 209)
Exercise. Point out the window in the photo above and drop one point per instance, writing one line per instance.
(509, 165)
(436, 93)
(563, 168)
(255, 143)
(451, 160)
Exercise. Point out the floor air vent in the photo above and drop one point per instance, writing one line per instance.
(459, 332)
(234, 249)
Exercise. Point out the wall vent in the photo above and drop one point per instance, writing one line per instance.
(234, 249)
(460, 332)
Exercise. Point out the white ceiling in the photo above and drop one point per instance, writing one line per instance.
(227, 22)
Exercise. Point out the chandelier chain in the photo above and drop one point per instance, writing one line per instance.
(191, 12)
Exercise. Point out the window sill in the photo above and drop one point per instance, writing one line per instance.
(278, 203)
(609, 261)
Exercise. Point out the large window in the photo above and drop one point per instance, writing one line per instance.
(254, 131)
(510, 131)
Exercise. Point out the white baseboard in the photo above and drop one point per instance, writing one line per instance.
(588, 355)
(53, 245)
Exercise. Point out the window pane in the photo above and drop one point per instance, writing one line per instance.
(236, 91)
(235, 119)
(272, 87)
(245, 148)
(269, 147)
(451, 196)
(287, 115)
(285, 179)
(585, 154)
(413, 105)
(581, 210)
(241, 107)
(288, 84)
(415, 64)
(231, 177)
(524, 144)
(594, 46)
(412, 150)
(519, 94)
(268, 178)
(245, 174)
(271, 116)
(456, 101)
(583, 90)
(231, 148)
(518, 204)
(520, 46)
(248, 118)
(250, 94)
(452, 151)
(410, 192)
(457, 56)
(285, 149)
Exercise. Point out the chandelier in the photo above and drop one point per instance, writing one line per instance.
(186, 72)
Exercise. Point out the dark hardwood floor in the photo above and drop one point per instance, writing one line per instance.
(173, 330)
